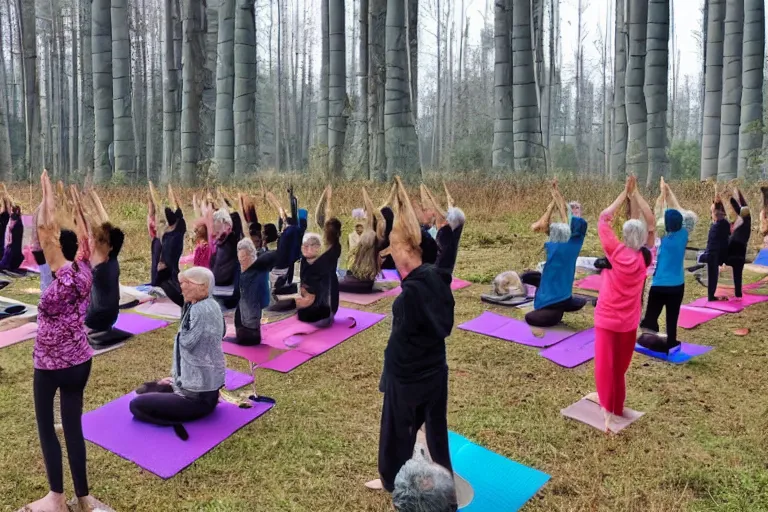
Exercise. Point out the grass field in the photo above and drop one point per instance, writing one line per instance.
(701, 446)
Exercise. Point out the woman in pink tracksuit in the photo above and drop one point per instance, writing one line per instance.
(619, 304)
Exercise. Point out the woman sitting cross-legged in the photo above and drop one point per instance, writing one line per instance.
(554, 286)
(254, 291)
(668, 286)
(197, 370)
(618, 309)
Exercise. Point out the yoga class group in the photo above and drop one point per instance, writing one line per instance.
(270, 294)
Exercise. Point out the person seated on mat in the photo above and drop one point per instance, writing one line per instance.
(12, 256)
(224, 260)
(6, 206)
(618, 309)
(764, 217)
(668, 285)
(741, 229)
(289, 243)
(254, 292)
(365, 258)
(716, 253)
(315, 303)
(554, 286)
(62, 356)
(421, 485)
(415, 375)
(198, 366)
(451, 225)
(167, 252)
(353, 240)
(202, 234)
(331, 227)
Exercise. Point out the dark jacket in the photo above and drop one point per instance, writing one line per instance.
(320, 279)
(422, 317)
(224, 262)
(428, 247)
(254, 292)
(448, 247)
(105, 296)
(717, 242)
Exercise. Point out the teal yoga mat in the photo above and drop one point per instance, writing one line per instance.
(499, 484)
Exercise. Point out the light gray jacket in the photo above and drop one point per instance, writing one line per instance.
(198, 360)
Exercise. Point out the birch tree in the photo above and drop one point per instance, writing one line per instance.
(503, 138)
(193, 54)
(73, 93)
(656, 87)
(376, 87)
(31, 84)
(170, 94)
(208, 103)
(619, 152)
(225, 83)
(401, 143)
(323, 105)
(525, 111)
(362, 79)
(337, 81)
(753, 58)
(637, 116)
(728, 159)
(245, 88)
(710, 142)
(121, 91)
(101, 34)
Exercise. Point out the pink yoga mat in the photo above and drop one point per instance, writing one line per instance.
(728, 306)
(692, 316)
(289, 343)
(366, 299)
(161, 307)
(235, 380)
(22, 333)
(573, 350)
(158, 449)
(749, 299)
(29, 264)
(590, 413)
(138, 324)
(591, 282)
(511, 329)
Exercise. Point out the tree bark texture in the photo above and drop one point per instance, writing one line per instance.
(525, 111)
(728, 159)
(656, 87)
(208, 105)
(377, 76)
(713, 94)
(753, 59)
(193, 55)
(125, 147)
(503, 138)
(225, 89)
(619, 151)
(244, 104)
(637, 115)
(101, 34)
(337, 82)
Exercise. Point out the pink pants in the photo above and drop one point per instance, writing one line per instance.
(613, 354)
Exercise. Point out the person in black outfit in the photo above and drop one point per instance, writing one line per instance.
(5, 217)
(716, 253)
(331, 227)
(289, 242)
(167, 254)
(739, 239)
(415, 376)
(254, 292)
(105, 290)
(389, 219)
(317, 304)
(12, 256)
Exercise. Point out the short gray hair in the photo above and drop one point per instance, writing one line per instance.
(312, 238)
(635, 234)
(421, 486)
(201, 275)
(246, 245)
(223, 217)
(574, 204)
(689, 220)
(455, 217)
(559, 232)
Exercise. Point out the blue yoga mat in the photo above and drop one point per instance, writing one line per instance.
(499, 484)
(762, 258)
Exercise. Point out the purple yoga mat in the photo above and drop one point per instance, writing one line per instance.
(728, 306)
(138, 324)
(160, 307)
(158, 449)
(574, 350)
(511, 329)
(24, 332)
(304, 341)
(691, 316)
(389, 275)
(235, 380)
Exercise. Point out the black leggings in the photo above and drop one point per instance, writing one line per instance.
(159, 405)
(406, 408)
(71, 384)
(351, 284)
(669, 297)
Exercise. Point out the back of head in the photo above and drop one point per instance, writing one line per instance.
(689, 220)
(559, 232)
(270, 233)
(332, 231)
(673, 220)
(389, 219)
(421, 486)
(455, 217)
(635, 234)
(170, 216)
(508, 283)
(69, 244)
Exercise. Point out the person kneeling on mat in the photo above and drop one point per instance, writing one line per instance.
(554, 295)
(254, 291)
(315, 303)
(105, 292)
(197, 371)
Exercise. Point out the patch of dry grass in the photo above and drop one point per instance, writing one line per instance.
(701, 446)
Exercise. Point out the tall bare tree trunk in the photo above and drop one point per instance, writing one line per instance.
(74, 96)
(376, 88)
(208, 104)
(323, 106)
(245, 88)
(503, 137)
(713, 94)
(6, 163)
(413, 48)
(637, 115)
(193, 55)
(170, 95)
(125, 145)
(753, 58)
(101, 33)
(337, 81)
(401, 143)
(225, 89)
(526, 125)
(728, 159)
(362, 84)
(656, 87)
(31, 84)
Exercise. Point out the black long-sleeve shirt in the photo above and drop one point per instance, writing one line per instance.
(717, 242)
(448, 247)
(320, 279)
(105, 296)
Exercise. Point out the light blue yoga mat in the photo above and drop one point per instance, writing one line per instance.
(499, 484)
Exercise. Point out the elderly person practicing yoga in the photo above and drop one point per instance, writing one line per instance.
(718, 239)
(166, 251)
(254, 291)
(451, 225)
(365, 257)
(554, 295)
(197, 370)
(11, 257)
(668, 286)
(415, 376)
(741, 229)
(421, 486)
(316, 301)
(62, 356)
(618, 309)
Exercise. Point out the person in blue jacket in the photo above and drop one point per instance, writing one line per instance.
(554, 286)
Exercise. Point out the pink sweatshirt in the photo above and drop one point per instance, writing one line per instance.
(619, 303)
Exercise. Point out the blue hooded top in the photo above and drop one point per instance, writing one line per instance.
(557, 279)
(670, 269)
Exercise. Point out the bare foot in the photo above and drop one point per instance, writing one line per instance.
(91, 504)
(52, 502)
(593, 397)
(375, 485)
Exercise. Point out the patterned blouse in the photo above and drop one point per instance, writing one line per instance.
(61, 340)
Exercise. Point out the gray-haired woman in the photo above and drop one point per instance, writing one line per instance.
(197, 371)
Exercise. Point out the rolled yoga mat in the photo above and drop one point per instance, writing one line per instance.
(158, 449)
(511, 329)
